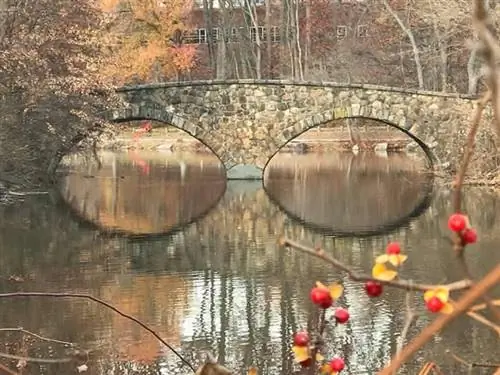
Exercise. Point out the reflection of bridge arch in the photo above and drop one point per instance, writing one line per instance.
(376, 203)
(117, 200)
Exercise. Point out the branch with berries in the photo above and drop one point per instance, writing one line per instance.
(374, 286)
(307, 346)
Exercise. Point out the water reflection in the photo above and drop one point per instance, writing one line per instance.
(347, 194)
(142, 192)
(222, 283)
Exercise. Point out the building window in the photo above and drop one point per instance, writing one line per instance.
(253, 33)
(341, 32)
(215, 34)
(234, 34)
(190, 37)
(202, 36)
(275, 34)
(362, 31)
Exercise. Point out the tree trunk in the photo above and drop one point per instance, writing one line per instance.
(283, 34)
(290, 37)
(252, 12)
(297, 41)
(207, 15)
(268, 26)
(307, 49)
(411, 37)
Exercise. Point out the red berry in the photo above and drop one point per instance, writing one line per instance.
(469, 236)
(337, 364)
(306, 363)
(393, 248)
(341, 315)
(457, 222)
(301, 339)
(321, 297)
(434, 304)
(373, 288)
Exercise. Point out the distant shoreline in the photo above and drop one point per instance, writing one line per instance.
(321, 141)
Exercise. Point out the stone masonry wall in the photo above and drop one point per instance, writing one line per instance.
(247, 122)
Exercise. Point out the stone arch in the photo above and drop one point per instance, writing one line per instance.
(155, 112)
(382, 114)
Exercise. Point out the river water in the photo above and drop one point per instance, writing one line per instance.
(163, 237)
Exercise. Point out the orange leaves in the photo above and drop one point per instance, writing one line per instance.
(436, 300)
(335, 289)
(302, 354)
(380, 271)
(184, 57)
(146, 49)
(326, 369)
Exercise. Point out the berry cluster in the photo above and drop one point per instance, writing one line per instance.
(303, 347)
(384, 271)
(459, 224)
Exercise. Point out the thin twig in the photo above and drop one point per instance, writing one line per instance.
(409, 317)
(8, 370)
(469, 149)
(21, 329)
(103, 303)
(353, 275)
(490, 52)
(320, 341)
(482, 306)
(472, 364)
(428, 367)
(36, 360)
(467, 299)
(483, 320)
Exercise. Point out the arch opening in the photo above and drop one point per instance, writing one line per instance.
(331, 119)
(157, 116)
(344, 191)
(139, 188)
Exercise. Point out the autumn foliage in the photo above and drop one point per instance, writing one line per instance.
(145, 39)
(52, 94)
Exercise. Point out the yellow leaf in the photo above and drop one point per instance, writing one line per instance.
(326, 369)
(381, 272)
(428, 295)
(442, 293)
(384, 258)
(301, 353)
(319, 284)
(336, 290)
(319, 357)
(252, 371)
(447, 308)
(397, 259)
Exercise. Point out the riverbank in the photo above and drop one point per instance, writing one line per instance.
(312, 141)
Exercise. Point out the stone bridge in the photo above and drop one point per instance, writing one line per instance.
(245, 122)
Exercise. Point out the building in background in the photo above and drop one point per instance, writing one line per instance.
(315, 39)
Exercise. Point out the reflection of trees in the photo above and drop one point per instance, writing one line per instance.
(348, 193)
(118, 198)
(161, 300)
(225, 278)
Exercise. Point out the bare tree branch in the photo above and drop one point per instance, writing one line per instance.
(401, 284)
(468, 299)
(103, 303)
